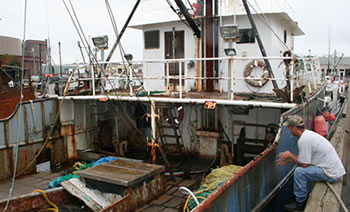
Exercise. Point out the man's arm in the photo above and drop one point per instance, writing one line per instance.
(287, 157)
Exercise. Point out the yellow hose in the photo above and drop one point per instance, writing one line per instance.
(55, 208)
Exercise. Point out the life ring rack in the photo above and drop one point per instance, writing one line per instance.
(256, 82)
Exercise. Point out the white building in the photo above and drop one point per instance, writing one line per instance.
(339, 66)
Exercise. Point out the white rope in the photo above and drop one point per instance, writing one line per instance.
(337, 196)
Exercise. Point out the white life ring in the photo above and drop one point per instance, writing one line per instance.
(256, 82)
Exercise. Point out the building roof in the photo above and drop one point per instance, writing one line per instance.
(343, 61)
(283, 17)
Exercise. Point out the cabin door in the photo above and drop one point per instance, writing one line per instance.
(174, 49)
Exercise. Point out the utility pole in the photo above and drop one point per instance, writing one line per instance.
(59, 48)
(329, 49)
(334, 68)
(40, 67)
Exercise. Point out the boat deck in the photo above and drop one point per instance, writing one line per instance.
(169, 201)
(172, 199)
(27, 184)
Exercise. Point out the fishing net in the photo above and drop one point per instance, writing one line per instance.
(214, 180)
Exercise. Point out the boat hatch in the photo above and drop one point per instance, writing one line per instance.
(136, 182)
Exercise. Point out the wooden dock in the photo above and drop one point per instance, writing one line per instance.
(322, 199)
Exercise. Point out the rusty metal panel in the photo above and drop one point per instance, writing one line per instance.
(67, 112)
(51, 110)
(3, 135)
(68, 132)
(25, 155)
(80, 115)
(123, 205)
(30, 129)
(5, 163)
(16, 128)
(58, 150)
(82, 139)
(147, 191)
(34, 120)
(27, 128)
(35, 201)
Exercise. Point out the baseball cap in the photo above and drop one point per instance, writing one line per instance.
(294, 121)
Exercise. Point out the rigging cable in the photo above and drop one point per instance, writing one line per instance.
(265, 20)
(111, 16)
(81, 34)
(19, 109)
(122, 53)
(132, 70)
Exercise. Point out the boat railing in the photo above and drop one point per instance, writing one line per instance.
(176, 77)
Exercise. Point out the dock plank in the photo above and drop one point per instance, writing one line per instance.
(322, 199)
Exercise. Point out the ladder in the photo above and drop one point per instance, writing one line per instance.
(169, 130)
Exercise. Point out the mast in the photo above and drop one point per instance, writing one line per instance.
(121, 33)
(190, 21)
(209, 44)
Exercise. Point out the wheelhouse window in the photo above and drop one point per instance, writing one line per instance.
(246, 36)
(152, 39)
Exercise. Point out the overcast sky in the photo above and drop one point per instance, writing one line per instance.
(320, 20)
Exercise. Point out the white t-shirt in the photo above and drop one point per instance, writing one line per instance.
(316, 150)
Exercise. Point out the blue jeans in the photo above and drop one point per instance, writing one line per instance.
(304, 176)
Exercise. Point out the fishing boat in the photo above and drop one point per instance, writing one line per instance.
(215, 91)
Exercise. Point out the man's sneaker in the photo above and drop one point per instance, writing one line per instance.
(295, 206)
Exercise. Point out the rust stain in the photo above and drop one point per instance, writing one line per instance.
(36, 202)
(25, 120)
(124, 204)
(74, 143)
(10, 161)
(25, 155)
(6, 128)
(43, 119)
(207, 134)
(137, 197)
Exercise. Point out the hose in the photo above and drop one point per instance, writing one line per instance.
(337, 196)
(55, 208)
(185, 209)
(185, 190)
